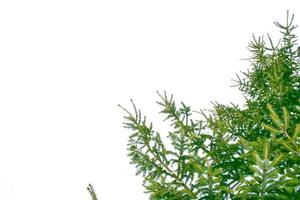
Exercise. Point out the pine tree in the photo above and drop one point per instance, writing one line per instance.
(232, 152)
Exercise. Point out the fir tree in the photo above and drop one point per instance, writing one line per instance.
(232, 152)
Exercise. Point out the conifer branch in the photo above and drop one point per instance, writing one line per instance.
(92, 192)
(249, 152)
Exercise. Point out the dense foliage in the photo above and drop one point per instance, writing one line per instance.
(232, 152)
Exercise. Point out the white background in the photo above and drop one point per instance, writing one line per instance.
(65, 65)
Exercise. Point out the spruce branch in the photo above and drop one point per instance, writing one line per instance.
(150, 147)
(230, 152)
(92, 192)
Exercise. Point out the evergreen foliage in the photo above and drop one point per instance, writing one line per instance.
(92, 192)
(231, 152)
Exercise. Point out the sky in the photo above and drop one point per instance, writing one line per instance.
(66, 65)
